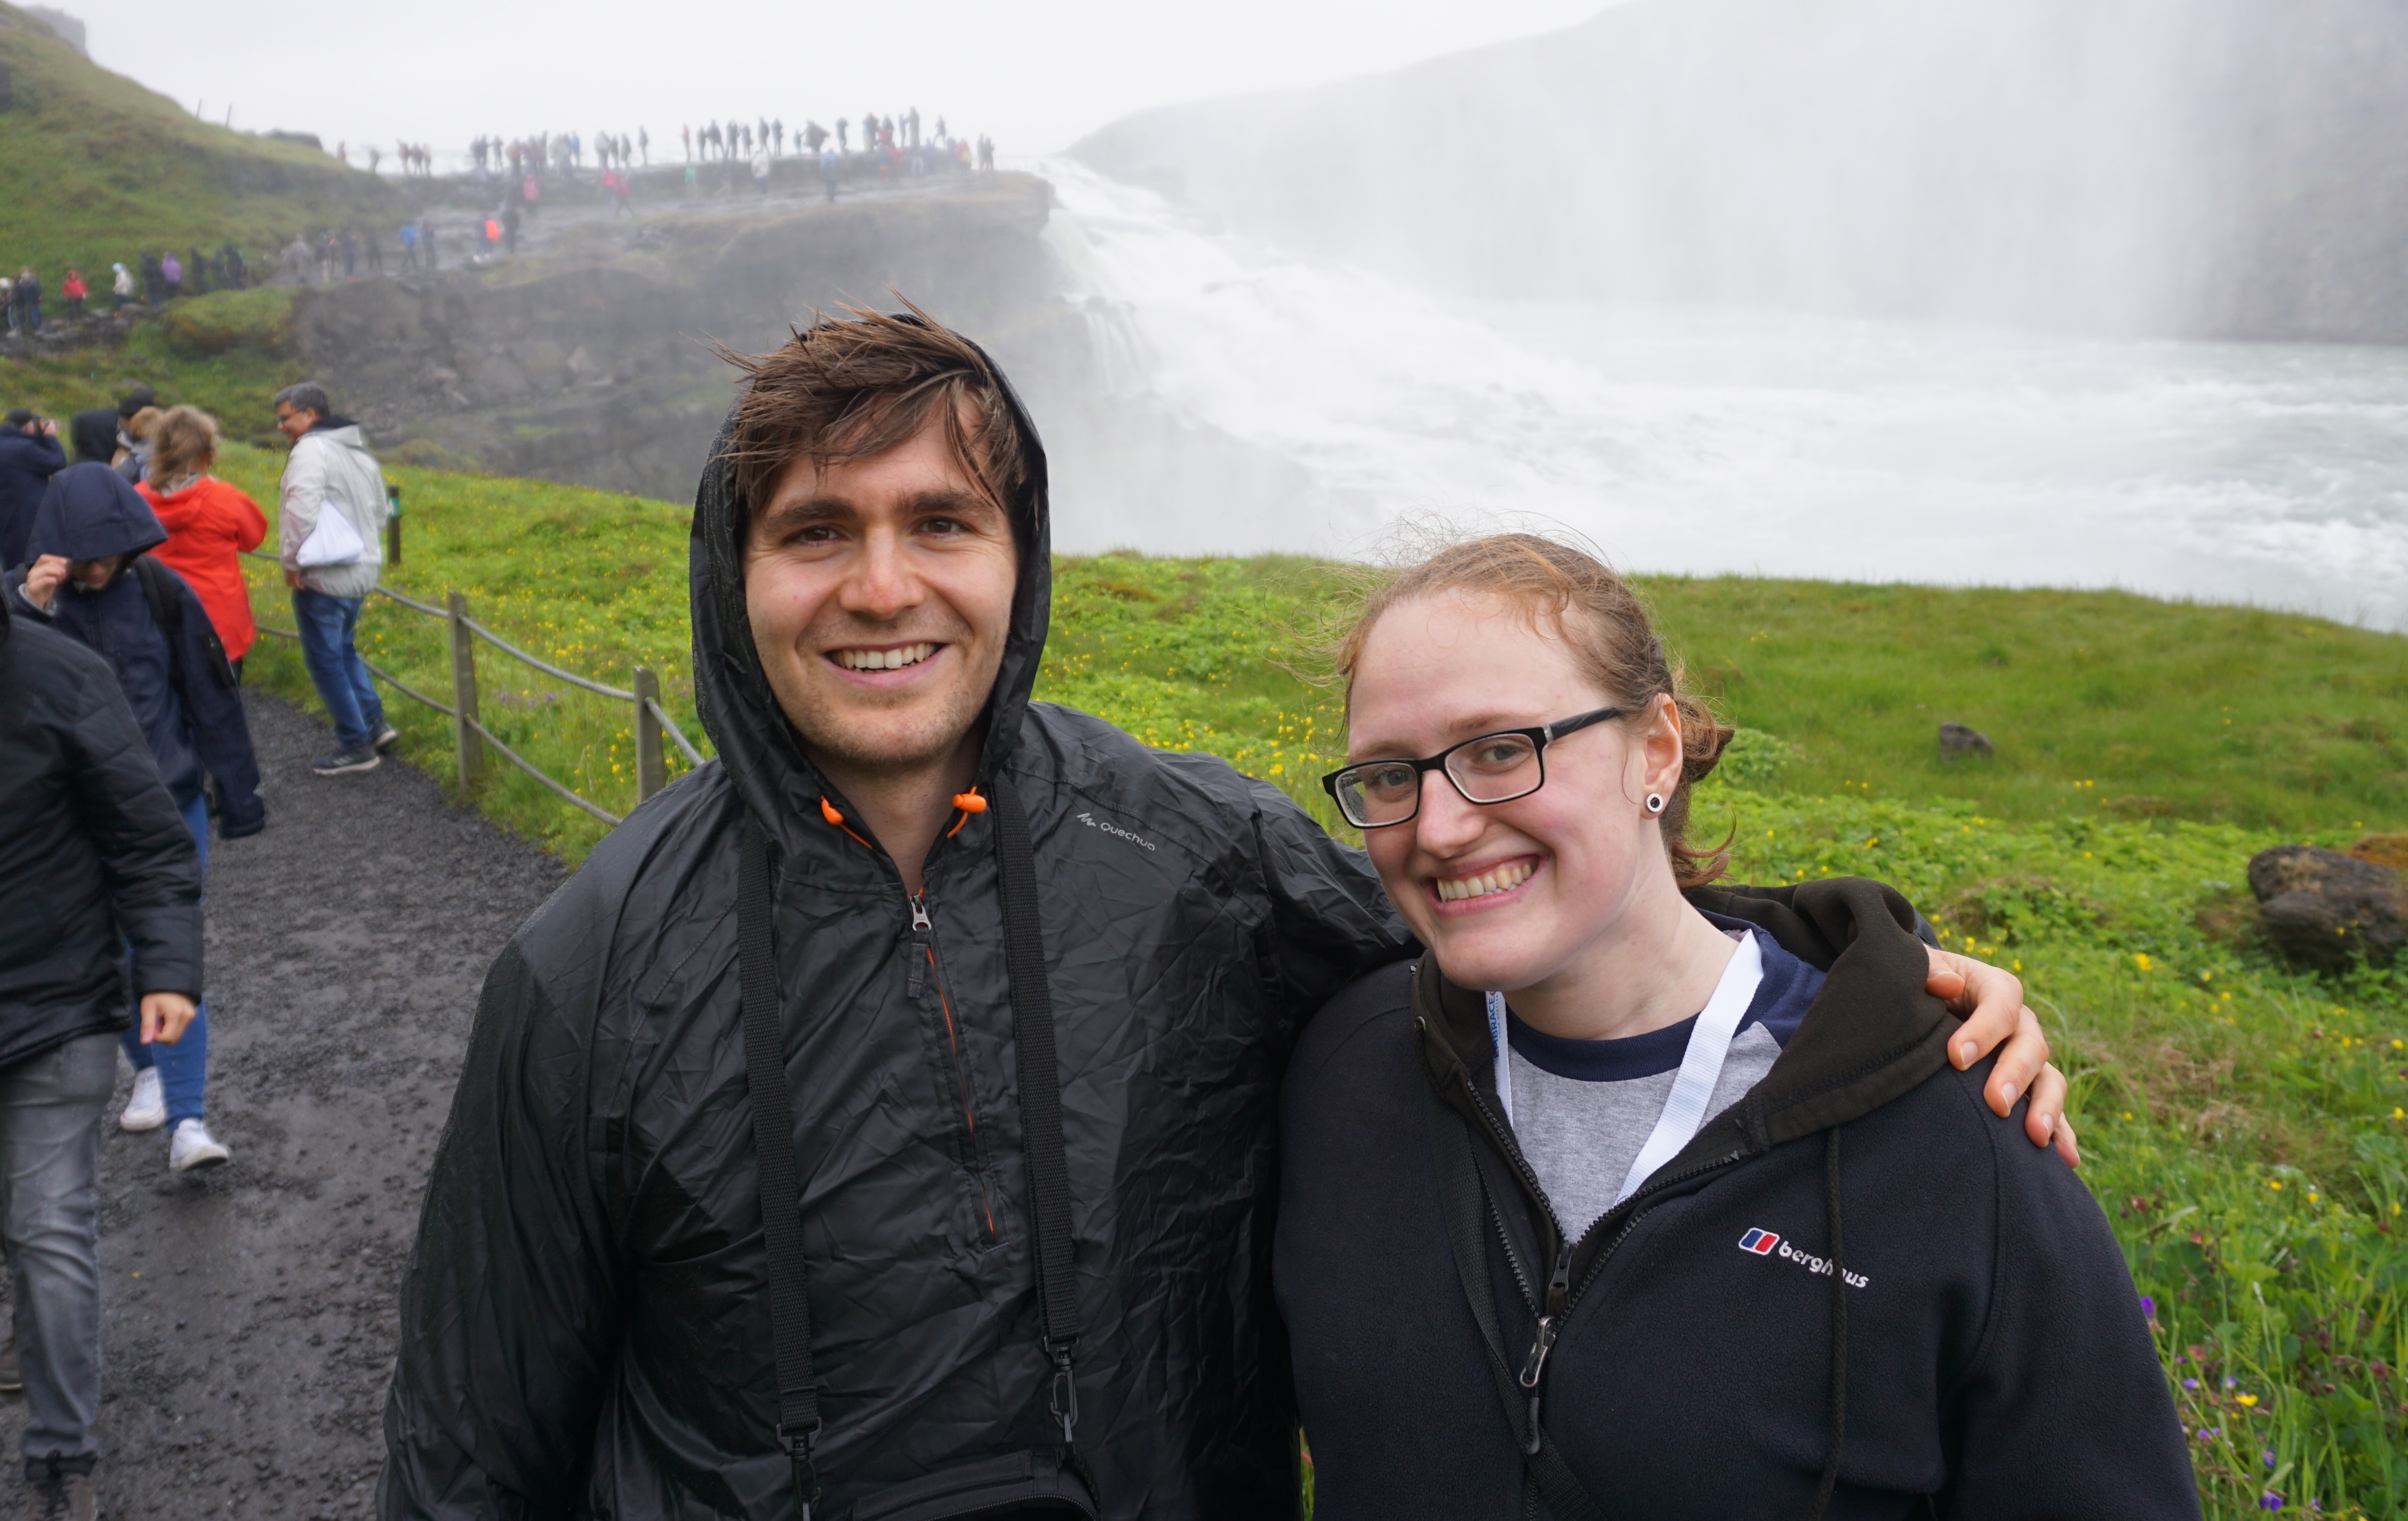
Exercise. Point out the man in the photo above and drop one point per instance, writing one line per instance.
(92, 862)
(1038, 983)
(93, 579)
(331, 540)
(30, 455)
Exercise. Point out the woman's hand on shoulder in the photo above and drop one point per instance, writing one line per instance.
(1991, 1000)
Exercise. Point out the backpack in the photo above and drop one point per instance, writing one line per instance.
(159, 588)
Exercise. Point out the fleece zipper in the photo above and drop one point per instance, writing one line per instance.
(1561, 1294)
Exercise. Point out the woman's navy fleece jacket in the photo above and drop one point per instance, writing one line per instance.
(1997, 1360)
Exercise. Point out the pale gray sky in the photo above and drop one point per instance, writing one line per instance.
(1036, 74)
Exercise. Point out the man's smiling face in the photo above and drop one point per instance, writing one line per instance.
(878, 592)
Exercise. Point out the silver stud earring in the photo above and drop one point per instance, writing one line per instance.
(1655, 802)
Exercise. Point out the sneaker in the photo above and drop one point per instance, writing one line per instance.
(193, 1146)
(384, 740)
(147, 1109)
(362, 759)
(65, 1494)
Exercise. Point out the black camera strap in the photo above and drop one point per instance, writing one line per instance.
(773, 1138)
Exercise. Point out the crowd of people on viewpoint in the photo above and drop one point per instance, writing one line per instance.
(125, 622)
(883, 149)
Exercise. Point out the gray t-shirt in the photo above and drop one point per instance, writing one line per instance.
(1583, 1110)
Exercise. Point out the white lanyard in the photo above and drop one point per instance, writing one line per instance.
(1702, 1064)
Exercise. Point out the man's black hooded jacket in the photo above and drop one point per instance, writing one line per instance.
(586, 1326)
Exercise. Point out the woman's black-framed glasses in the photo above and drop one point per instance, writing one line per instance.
(1492, 768)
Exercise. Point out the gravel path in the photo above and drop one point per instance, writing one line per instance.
(249, 1311)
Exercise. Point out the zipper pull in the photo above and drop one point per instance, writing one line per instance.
(919, 913)
(1536, 1367)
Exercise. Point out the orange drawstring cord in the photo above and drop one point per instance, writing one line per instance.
(827, 812)
(968, 802)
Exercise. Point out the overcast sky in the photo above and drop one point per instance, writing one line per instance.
(1037, 74)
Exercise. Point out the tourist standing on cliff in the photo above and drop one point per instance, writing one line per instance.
(121, 286)
(828, 164)
(331, 540)
(761, 169)
(913, 1068)
(100, 909)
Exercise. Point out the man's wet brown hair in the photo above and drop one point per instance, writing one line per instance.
(1600, 615)
(856, 386)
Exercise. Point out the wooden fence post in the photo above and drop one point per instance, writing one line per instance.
(464, 694)
(651, 770)
(391, 524)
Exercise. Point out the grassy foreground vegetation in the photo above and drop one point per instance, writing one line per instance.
(2246, 1125)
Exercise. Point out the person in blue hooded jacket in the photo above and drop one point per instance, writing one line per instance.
(29, 456)
(90, 579)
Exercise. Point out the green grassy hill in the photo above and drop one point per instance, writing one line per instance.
(96, 168)
(2245, 1124)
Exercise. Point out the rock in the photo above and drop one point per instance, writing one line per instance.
(1957, 741)
(2384, 850)
(2322, 907)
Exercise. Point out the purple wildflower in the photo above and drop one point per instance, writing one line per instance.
(2148, 1307)
(2270, 1502)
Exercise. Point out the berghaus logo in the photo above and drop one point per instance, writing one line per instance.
(1764, 1243)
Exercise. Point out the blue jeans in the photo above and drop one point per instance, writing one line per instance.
(184, 1066)
(51, 1107)
(327, 624)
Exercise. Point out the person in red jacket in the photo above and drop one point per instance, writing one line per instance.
(75, 289)
(208, 523)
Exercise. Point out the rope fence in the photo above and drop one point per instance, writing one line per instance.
(472, 738)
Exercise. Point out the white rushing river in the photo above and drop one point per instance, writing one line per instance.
(1687, 440)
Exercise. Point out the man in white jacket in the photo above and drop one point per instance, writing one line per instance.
(330, 539)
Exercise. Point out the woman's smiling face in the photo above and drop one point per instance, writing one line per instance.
(1506, 895)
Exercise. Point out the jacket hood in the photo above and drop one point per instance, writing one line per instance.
(1872, 1035)
(763, 755)
(337, 430)
(90, 512)
(93, 434)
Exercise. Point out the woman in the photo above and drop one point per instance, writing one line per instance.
(1690, 1216)
(210, 523)
(75, 289)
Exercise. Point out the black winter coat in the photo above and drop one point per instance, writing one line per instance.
(585, 1323)
(92, 853)
(179, 683)
(27, 462)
